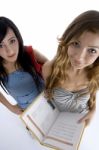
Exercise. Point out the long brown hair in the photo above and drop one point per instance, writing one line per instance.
(24, 59)
(87, 21)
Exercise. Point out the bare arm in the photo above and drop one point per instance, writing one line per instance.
(39, 57)
(46, 69)
(14, 108)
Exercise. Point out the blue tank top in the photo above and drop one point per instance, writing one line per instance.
(22, 87)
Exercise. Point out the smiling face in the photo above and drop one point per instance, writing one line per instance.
(9, 47)
(83, 52)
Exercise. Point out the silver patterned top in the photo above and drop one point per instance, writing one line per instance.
(71, 101)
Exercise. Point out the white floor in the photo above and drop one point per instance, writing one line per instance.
(14, 136)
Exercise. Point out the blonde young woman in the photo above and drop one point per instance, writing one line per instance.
(72, 77)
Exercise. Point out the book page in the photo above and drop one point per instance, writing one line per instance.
(66, 130)
(41, 116)
(44, 116)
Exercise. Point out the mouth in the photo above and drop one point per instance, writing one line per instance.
(77, 63)
(12, 55)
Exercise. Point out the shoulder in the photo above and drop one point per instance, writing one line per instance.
(47, 68)
(29, 49)
(40, 58)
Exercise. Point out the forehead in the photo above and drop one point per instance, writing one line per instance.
(9, 34)
(89, 38)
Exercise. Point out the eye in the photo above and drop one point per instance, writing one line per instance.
(92, 51)
(12, 41)
(75, 44)
(1, 45)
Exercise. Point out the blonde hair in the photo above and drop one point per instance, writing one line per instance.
(87, 21)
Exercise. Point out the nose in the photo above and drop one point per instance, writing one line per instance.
(9, 50)
(81, 55)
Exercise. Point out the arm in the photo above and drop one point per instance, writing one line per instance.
(46, 69)
(14, 108)
(39, 57)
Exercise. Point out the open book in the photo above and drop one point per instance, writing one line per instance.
(58, 130)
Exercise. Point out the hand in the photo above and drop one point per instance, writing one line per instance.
(17, 110)
(87, 118)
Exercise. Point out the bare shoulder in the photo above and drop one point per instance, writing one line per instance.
(47, 68)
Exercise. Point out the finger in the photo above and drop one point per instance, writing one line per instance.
(82, 119)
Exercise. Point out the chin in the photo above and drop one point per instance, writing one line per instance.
(12, 60)
(78, 67)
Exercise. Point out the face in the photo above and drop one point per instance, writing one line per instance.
(9, 47)
(83, 52)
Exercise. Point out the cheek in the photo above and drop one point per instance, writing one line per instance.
(17, 51)
(2, 54)
(71, 52)
(91, 60)
(17, 48)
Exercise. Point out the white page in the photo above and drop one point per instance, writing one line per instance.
(44, 115)
(40, 116)
(66, 130)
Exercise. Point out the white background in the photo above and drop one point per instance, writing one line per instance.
(40, 23)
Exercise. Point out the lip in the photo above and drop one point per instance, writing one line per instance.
(77, 62)
(12, 55)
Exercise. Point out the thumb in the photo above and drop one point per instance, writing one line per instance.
(82, 119)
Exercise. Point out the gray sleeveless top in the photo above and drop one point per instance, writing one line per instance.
(71, 101)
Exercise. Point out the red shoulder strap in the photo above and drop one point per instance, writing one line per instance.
(37, 66)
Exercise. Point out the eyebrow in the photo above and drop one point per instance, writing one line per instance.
(11, 38)
(94, 46)
(90, 45)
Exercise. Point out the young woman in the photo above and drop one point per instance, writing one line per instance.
(72, 77)
(19, 70)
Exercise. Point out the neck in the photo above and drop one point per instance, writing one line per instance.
(10, 67)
